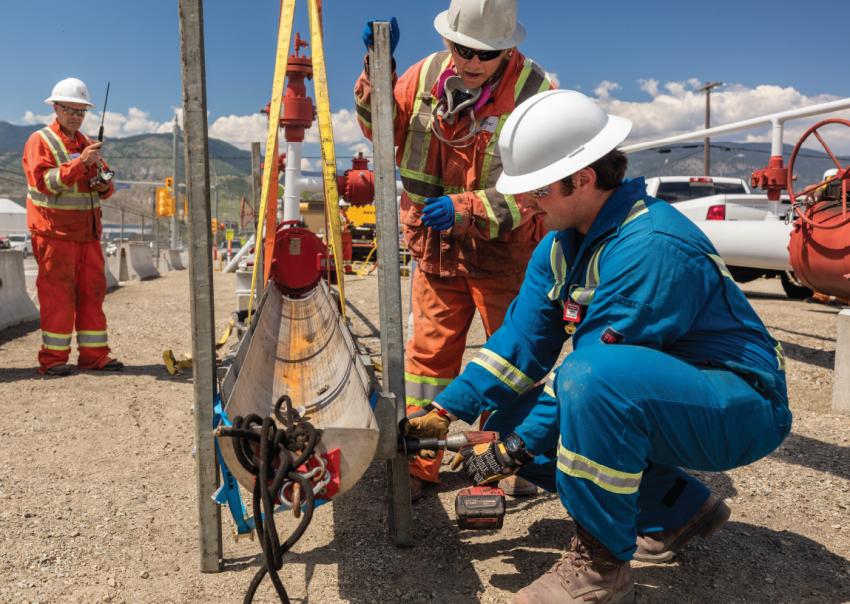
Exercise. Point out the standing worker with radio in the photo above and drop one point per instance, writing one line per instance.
(470, 242)
(66, 181)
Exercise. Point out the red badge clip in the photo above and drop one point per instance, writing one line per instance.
(573, 312)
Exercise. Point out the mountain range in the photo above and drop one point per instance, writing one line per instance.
(148, 157)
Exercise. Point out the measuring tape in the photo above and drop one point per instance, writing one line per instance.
(326, 137)
(323, 111)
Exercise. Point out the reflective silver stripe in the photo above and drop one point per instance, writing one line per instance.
(584, 295)
(614, 481)
(57, 147)
(532, 79)
(421, 390)
(558, 262)
(417, 145)
(515, 379)
(52, 180)
(65, 201)
(638, 209)
(56, 341)
(91, 339)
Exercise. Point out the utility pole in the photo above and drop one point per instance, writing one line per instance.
(175, 225)
(706, 153)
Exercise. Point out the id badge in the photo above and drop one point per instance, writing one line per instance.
(573, 312)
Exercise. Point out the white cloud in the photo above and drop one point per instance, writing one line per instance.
(605, 88)
(241, 130)
(346, 128)
(116, 125)
(678, 107)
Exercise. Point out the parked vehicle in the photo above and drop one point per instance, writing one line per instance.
(21, 241)
(681, 188)
(751, 251)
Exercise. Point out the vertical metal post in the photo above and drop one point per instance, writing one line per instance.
(215, 236)
(706, 150)
(259, 240)
(841, 375)
(122, 225)
(389, 282)
(200, 275)
(175, 225)
(155, 227)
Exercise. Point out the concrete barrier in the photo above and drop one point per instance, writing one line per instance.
(134, 261)
(111, 281)
(15, 304)
(175, 260)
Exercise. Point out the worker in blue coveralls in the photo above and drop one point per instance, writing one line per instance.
(671, 367)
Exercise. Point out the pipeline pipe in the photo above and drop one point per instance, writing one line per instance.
(234, 262)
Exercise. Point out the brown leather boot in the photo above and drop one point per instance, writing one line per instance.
(517, 486)
(587, 573)
(664, 545)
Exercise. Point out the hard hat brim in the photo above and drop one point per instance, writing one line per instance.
(441, 24)
(614, 133)
(67, 99)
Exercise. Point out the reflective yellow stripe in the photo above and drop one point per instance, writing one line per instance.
(52, 181)
(54, 143)
(421, 389)
(558, 262)
(638, 209)
(614, 481)
(549, 386)
(721, 266)
(780, 357)
(412, 401)
(506, 373)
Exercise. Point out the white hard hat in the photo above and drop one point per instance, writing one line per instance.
(70, 90)
(552, 135)
(481, 24)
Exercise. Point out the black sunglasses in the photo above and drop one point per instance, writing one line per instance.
(467, 53)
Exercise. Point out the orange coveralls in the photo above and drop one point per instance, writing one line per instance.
(480, 262)
(64, 216)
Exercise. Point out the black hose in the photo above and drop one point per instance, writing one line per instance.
(273, 456)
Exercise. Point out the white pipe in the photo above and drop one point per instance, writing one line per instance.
(234, 262)
(777, 119)
(292, 183)
(750, 243)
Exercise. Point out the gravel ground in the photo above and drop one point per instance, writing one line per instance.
(97, 488)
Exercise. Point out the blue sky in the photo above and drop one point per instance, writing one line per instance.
(640, 59)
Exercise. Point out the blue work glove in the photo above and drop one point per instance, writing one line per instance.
(439, 213)
(369, 35)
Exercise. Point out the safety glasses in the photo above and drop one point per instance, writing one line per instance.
(540, 193)
(71, 110)
(466, 53)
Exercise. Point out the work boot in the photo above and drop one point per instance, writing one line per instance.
(664, 545)
(587, 573)
(62, 369)
(517, 486)
(420, 488)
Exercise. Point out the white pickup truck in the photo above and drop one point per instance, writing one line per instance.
(742, 225)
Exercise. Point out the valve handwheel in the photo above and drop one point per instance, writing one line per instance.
(843, 174)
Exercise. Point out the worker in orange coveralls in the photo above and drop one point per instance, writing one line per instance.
(471, 243)
(64, 191)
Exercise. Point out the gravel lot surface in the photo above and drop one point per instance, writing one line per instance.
(98, 501)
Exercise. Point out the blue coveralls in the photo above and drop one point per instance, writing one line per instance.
(671, 367)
